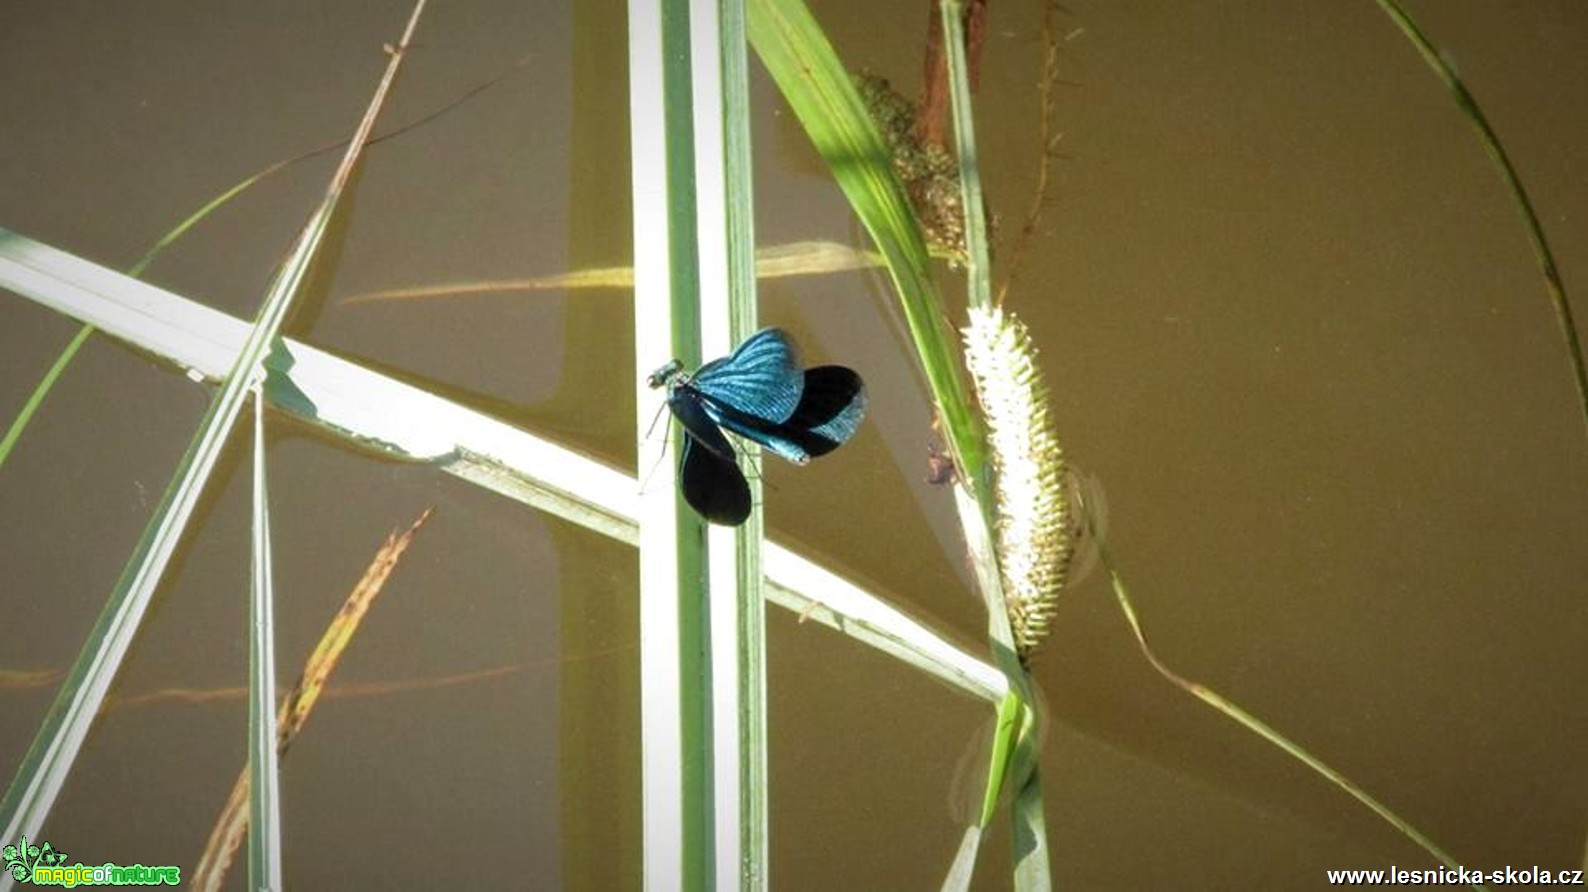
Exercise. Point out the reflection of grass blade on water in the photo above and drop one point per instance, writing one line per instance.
(65, 727)
(227, 835)
(22, 679)
(772, 262)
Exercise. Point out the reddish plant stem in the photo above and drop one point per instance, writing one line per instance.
(932, 124)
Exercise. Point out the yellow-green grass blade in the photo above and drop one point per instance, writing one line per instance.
(816, 86)
(44, 769)
(36, 399)
(819, 90)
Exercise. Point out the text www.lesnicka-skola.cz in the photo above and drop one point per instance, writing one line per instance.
(1456, 876)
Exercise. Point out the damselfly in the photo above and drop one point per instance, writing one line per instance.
(758, 392)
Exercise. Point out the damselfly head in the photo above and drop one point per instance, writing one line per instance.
(664, 374)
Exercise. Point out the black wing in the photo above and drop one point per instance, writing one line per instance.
(708, 469)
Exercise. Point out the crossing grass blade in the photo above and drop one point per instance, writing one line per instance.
(25, 416)
(375, 413)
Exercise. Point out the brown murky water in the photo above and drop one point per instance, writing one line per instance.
(1290, 319)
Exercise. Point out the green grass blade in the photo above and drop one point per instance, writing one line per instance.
(43, 771)
(1524, 205)
(46, 384)
(674, 714)
(978, 256)
(979, 284)
(738, 626)
(264, 799)
(819, 90)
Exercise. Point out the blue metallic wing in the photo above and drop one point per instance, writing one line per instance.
(761, 379)
(830, 409)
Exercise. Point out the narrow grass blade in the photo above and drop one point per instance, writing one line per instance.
(36, 399)
(1513, 182)
(978, 262)
(1247, 720)
(264, 816)
(227, 835)
(725, 212)
(49, 760)
(1032, 853)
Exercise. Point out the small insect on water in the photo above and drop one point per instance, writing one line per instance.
(758, 392)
